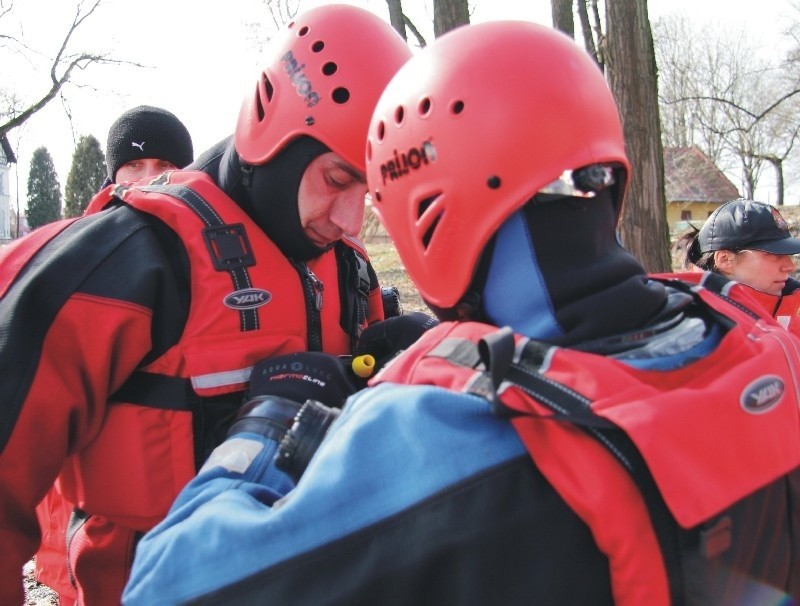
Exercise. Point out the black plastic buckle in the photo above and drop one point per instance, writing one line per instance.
(229, 247)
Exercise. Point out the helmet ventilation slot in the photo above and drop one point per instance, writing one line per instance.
(431, 216)
(268, 92)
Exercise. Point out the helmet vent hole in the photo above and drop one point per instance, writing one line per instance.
(266, 98)
(369, 150)
(303, 31)
(493, 182)
(329, 68)
(381, 130)
(378, 197)
(317, 46)
(457, 107)
(422, 209)
(340, 95)
(399, 114)
(425, 107)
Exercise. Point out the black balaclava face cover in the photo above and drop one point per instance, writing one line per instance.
(556, 272)
(269, 194)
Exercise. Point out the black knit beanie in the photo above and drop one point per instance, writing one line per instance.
(147, 132)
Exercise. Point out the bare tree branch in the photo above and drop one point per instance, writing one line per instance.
(420, 38)
(62, 67)
(732, 104)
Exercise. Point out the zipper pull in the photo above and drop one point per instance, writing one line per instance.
(318, 287)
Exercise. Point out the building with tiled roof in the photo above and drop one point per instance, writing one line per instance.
(694, 187)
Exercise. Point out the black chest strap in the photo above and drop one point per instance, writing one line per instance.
(355, 284)
(494, 354)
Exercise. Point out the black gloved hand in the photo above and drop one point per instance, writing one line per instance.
(302, 376)
(384, 340)
(390, 297)
(279, 386)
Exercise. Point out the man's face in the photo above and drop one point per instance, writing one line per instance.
(142, 169)
(331, 200)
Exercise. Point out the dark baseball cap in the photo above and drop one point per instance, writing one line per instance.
(746, 224)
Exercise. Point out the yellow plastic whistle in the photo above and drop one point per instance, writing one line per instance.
(363, 366)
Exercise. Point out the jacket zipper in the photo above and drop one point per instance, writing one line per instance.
(312, 291)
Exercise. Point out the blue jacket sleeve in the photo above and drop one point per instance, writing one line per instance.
(240, 516)
(237, 482)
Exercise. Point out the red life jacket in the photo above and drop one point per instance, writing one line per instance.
(640, 454)
(785, 308)
(247, 302)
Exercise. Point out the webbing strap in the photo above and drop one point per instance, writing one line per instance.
(569, 405)
(355, 286)
(157, 391)
(227, 244)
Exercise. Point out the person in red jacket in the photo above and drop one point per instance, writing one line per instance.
(750, 242)
(142, 143)
(145, 141)
(128, 335)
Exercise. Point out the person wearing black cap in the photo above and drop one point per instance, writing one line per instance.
(144, 142)
(750, 242)
(574, 432)
(128, 335)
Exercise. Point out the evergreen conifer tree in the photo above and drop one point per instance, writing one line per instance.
(86, 175)
(44, 191)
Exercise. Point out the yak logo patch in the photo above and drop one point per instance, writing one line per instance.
(762, 395)
(247, 298)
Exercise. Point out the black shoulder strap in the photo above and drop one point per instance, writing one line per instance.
(354, 287)
(569, 405)
(227, 245)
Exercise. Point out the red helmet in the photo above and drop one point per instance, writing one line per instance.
(327, 72)
(470, 129)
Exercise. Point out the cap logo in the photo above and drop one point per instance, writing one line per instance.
(247, 298)
(403, 163)
(779, 220)
(299, 79)
(139, 145)
(762, 394)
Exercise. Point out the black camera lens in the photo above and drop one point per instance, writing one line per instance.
(302, 440)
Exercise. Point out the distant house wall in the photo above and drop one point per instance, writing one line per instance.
(694, 186)
(698, 212)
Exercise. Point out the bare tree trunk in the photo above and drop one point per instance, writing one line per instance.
(588, 37)
(632, 76)
(778, 164)
(562, 16)
(449, 14)
(396, 17)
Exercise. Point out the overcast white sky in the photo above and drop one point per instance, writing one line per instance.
(203, 56)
